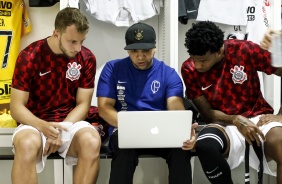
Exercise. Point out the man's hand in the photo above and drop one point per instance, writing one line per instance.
(248, 129)
(265, 43)
(52, 145)
(268, 118)
(190, 144)
(52, 129)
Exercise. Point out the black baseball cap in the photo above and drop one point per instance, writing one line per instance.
(140, 36)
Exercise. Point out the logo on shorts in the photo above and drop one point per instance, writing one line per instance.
(73, 72)
(238, 74)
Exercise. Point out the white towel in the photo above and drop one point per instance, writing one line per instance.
(223, 11)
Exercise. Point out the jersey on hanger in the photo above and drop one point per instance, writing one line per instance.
(123, 12)
(14, 23)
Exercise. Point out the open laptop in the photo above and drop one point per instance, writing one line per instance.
(154, 129)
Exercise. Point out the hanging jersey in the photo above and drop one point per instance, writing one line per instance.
(123, 12)
(14, 23)
(42, 3)
(187, 9)
(233, 85)
(223, 11)
(52, 80)
(258, 14)
(69, 3)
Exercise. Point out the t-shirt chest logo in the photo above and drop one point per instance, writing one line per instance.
(73, 72)
(238, 74)
(155, 85)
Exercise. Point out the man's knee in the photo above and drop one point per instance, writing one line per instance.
(211, 139)
(27, 139)
(86, 142)
(273, 145)
(27, 144)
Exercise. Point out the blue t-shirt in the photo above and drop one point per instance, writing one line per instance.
(139, 90)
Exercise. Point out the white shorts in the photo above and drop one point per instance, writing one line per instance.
(40, 164)
(237, 148)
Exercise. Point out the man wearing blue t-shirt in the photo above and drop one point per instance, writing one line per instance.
(140, 82)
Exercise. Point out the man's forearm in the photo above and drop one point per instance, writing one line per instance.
(109, 114)
(79, 113)
(220, 117)
(24, 116)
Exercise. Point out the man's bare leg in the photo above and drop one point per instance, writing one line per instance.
(86, 146)
(27, 145)
(273, 149)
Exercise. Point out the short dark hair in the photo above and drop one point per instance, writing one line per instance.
(204, 36)
(69, 16)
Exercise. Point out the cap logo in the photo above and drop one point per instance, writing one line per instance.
(138, 35)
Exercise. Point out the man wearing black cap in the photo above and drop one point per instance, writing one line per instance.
(137, 83)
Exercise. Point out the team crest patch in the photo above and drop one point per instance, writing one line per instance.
(73, 72)
(138, 35)
(238, 74)
(155, 86)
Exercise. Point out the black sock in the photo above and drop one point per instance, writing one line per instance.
(210, 146)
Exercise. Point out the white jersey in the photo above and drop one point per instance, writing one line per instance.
(257, 17)
(258, 14)
(225, 12)
(123, 12)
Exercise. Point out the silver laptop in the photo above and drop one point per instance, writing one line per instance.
(154, 129)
